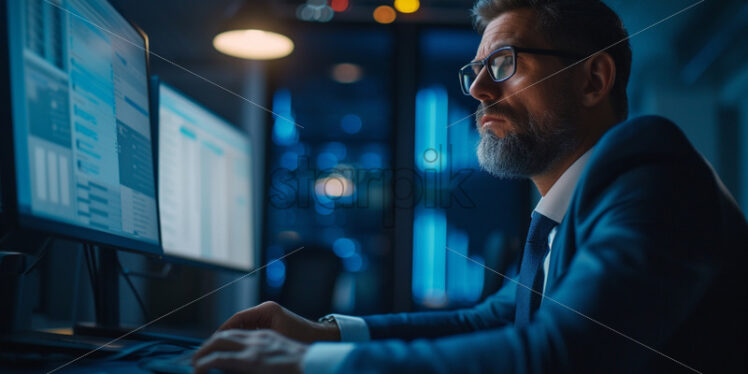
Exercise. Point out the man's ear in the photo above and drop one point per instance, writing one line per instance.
(599, 76)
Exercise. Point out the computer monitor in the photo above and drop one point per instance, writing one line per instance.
(79, 150)
(204, 184)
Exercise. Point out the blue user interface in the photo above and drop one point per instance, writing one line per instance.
(204, 184)
(82, 136)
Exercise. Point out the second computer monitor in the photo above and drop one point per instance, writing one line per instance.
(204, 184)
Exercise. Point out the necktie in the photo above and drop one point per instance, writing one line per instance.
(531, 270)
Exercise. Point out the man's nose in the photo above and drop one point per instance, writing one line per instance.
(484, 88)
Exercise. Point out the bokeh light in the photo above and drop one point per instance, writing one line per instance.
(347, 73)
(384, 14)
(333, 187)
(276, 273)
(326, 160)
(338, 149)
(351, 123)
(353, 263)
(289, 160)
(344, 247)
(315, 11)
(407, 6)
(339, 5)
(371, 160)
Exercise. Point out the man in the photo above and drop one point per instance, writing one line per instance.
(635, 256)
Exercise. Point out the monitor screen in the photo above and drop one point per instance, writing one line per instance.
(81, 126)
(204, 184)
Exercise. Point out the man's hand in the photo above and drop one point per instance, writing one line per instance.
(240, 351)
(270, 315)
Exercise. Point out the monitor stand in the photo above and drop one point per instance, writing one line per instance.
(105, 285)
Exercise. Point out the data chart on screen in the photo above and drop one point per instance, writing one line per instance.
(81, 120)
(204, 184)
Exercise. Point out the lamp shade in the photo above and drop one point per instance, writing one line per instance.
(252, 33)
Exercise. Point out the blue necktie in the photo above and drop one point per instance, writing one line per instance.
(531, 270)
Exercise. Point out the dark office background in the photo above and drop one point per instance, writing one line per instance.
(379, 245)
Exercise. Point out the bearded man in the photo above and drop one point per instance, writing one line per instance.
(635, 257)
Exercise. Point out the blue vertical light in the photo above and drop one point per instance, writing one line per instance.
(464, 274)
(463, 139)
(457, 273)
(475, 274)
(429, 257)
(276, 274)
(284, 127)
(430, 225)
(431, 128)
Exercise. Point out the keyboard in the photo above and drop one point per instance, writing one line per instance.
(172, 364)
(38, 341)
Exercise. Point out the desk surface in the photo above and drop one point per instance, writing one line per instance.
(80, 368)
(36, 352)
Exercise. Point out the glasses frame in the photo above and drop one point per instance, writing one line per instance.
(515, 50)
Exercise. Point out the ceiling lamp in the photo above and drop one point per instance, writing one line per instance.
(250, 33)
(253, 44)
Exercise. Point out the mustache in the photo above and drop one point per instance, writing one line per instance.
(494, 109)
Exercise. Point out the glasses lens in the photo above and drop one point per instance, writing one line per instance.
(502, 65)
(467, 76)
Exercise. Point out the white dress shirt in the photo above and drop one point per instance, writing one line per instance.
(556, 201)
(324, 358)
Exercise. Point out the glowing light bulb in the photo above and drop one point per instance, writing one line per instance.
(253, 44)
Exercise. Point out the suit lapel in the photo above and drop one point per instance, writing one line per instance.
(562, 251)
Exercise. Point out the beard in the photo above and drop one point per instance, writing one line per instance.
(547, 138)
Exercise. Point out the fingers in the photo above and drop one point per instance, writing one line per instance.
(250, 352)
(235, 322)
(253, 318)
(250, 319)
(230, 340)
(226, 361)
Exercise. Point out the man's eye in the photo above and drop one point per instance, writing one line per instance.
(502, 66)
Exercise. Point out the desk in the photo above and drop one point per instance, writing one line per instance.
(114, 367)
(41, 352)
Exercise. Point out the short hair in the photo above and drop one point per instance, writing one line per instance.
(581, 26)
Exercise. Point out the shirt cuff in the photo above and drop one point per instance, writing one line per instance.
(325, 358)
(352, 329)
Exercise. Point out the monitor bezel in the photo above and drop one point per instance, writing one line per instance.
(155, 85)
(28, 223)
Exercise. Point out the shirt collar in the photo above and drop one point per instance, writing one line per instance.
(556, 201)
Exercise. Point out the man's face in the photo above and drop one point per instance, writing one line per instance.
(525, 125)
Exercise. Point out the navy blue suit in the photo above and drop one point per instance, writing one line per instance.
(652, 246)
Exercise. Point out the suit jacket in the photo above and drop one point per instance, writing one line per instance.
(647, 274)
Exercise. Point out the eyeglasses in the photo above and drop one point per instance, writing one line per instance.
(502, 64)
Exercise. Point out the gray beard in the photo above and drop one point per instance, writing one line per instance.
(528, 154)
